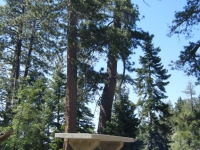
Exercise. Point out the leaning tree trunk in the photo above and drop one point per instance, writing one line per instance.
(71, 98)
(108, 93)
(110, 84)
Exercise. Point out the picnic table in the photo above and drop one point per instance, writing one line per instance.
(86, 141)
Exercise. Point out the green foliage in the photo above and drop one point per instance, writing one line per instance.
(28, 44)
(55, 102)
(27, 30)
(123, 121)
(88, 80)
(154, 113)
(84, 118)
(186, 19)
(29, 121)
(184, 23)
(189, 60)
(187, 121)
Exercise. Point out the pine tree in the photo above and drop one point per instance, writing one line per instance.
(154, 114)
(123, 121)
(23, 28)
(84, 115)
(55, 102)
(186, 121)
(29, 122)
(86, 95)
(189, 91)
(119, 43)
(27, 42)
(185, 22)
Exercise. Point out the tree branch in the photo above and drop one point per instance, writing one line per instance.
(6, 135)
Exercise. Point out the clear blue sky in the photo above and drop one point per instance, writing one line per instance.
(2, 2)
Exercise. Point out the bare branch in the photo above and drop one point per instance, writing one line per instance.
(146, 3)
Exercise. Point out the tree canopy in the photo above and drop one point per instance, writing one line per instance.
(186, 22)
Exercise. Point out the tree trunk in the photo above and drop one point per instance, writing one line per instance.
(18, 49)
(110, 84)
(16, 63)
(71, 98)
(28, 60)
(108, 93)
(12, 99)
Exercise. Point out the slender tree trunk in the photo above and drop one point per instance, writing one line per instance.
(150, 144)
(17, 59)
(71, 98)
(109, 88)
(28, 60)
(18, 49)
(12, 99)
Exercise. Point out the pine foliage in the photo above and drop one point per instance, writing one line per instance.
(151, 82)
(186, 22)
(186, 121)
(123, 121)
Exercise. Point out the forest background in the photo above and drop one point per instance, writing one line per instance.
(42, 113)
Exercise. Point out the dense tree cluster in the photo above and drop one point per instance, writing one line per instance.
(49, 54)
(186, 121)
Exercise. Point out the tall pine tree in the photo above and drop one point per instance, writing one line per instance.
(119, 44)
(29, 122)
(154, 113)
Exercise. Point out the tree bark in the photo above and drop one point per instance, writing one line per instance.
(71, 98)
(110, 84)
(108, 94)
(28, 60)
(18, 49)
(6, 135)
(16, 63)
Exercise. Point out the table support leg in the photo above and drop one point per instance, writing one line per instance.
(83, 144)
(109, 145)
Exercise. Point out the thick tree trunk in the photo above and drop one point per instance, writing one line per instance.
(71, 98)
(108, 93)
(109, 88)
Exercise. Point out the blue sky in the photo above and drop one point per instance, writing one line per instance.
(1, 2)
(158, 16)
